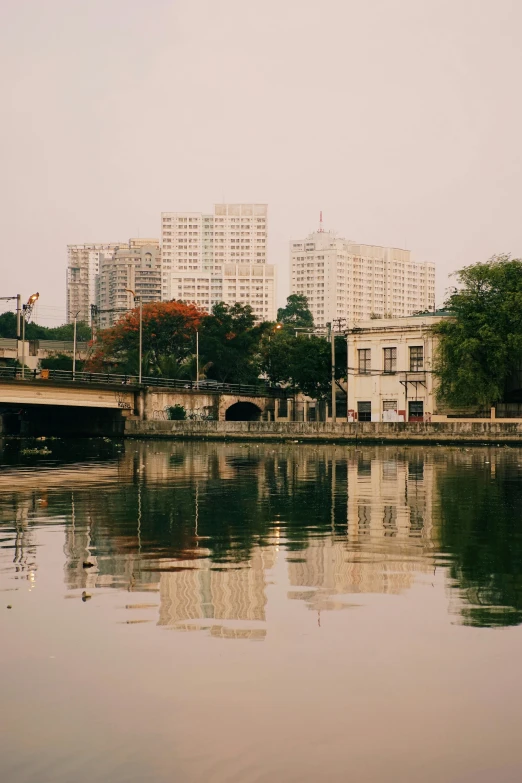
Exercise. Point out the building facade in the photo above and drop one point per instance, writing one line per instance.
(83, 265)
(390, 369)
(343, 279)
(135, 266)
(219, 257)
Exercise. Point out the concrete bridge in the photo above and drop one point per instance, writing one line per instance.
(99, 403)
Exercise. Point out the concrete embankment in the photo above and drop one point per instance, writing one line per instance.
(396, 432)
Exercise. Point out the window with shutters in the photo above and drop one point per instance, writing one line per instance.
(364, 355)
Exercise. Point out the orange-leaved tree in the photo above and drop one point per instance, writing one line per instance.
(169, 330)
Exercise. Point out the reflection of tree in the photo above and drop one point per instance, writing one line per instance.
(480, 529)
(240, 498)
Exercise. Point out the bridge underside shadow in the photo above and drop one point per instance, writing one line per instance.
(243, 411)
(60, 420)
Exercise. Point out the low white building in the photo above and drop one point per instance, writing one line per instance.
(390, 369)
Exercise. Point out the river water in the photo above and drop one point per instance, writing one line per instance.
(259, 612)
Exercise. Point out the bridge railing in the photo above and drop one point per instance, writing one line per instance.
(204, 385)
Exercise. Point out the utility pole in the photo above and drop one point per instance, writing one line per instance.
(141, 337)
(334, 400)
(339, 322)
(140, 350)
(18, 315)
(74, 345)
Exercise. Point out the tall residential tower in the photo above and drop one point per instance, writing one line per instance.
(344, 279)
(135, 266)
(83, 264)
(219, 257)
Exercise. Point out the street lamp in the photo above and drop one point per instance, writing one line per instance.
(274, 329)
(74, 345)
(141, 329)
(197, 359)
(26, 313)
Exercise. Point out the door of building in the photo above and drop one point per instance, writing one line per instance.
(415, 410)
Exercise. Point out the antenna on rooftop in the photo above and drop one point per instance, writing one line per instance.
(321, 229)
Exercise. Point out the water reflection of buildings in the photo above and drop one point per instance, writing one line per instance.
(18, 544)
(391, 497)
(195, 522)
(212, 592)
(388, 530)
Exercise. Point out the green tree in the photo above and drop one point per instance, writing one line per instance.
(480, 534)
(60, 362)
(36, 332)
(296, 312)
(482, 344)
(229, 343)
(303, 362)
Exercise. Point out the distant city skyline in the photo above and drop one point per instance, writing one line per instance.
(408, 137)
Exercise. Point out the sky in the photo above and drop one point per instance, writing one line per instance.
(399, 119)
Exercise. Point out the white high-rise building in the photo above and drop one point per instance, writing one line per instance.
(343, 279)
(83, 265)
(219, 257)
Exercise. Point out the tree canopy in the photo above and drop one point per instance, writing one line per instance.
(168, 339)
(229, 343)
(481, 345)
(34, 331)
(303, 362)
(296, 312)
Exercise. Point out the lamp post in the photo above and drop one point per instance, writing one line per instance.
(74, 345)
(26, 313)
(141, 330)
(276, 328)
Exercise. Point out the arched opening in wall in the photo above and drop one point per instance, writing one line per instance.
(243, 411)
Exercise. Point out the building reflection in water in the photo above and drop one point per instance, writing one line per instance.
(201, 525)
(389, 533)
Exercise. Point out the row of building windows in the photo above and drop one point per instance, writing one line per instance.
(390, 359)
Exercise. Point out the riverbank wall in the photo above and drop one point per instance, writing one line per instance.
(492, 432)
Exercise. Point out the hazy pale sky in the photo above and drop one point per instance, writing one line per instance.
(400, 119)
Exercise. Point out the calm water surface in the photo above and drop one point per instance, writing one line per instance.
(259, 613)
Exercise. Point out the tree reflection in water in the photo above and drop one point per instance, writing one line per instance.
(481, 531)
(202, 523)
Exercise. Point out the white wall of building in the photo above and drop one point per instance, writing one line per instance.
(390, 364)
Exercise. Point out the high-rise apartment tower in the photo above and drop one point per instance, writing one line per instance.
(83, 264)
(219, 257)
(344, 279)
(136, 267)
